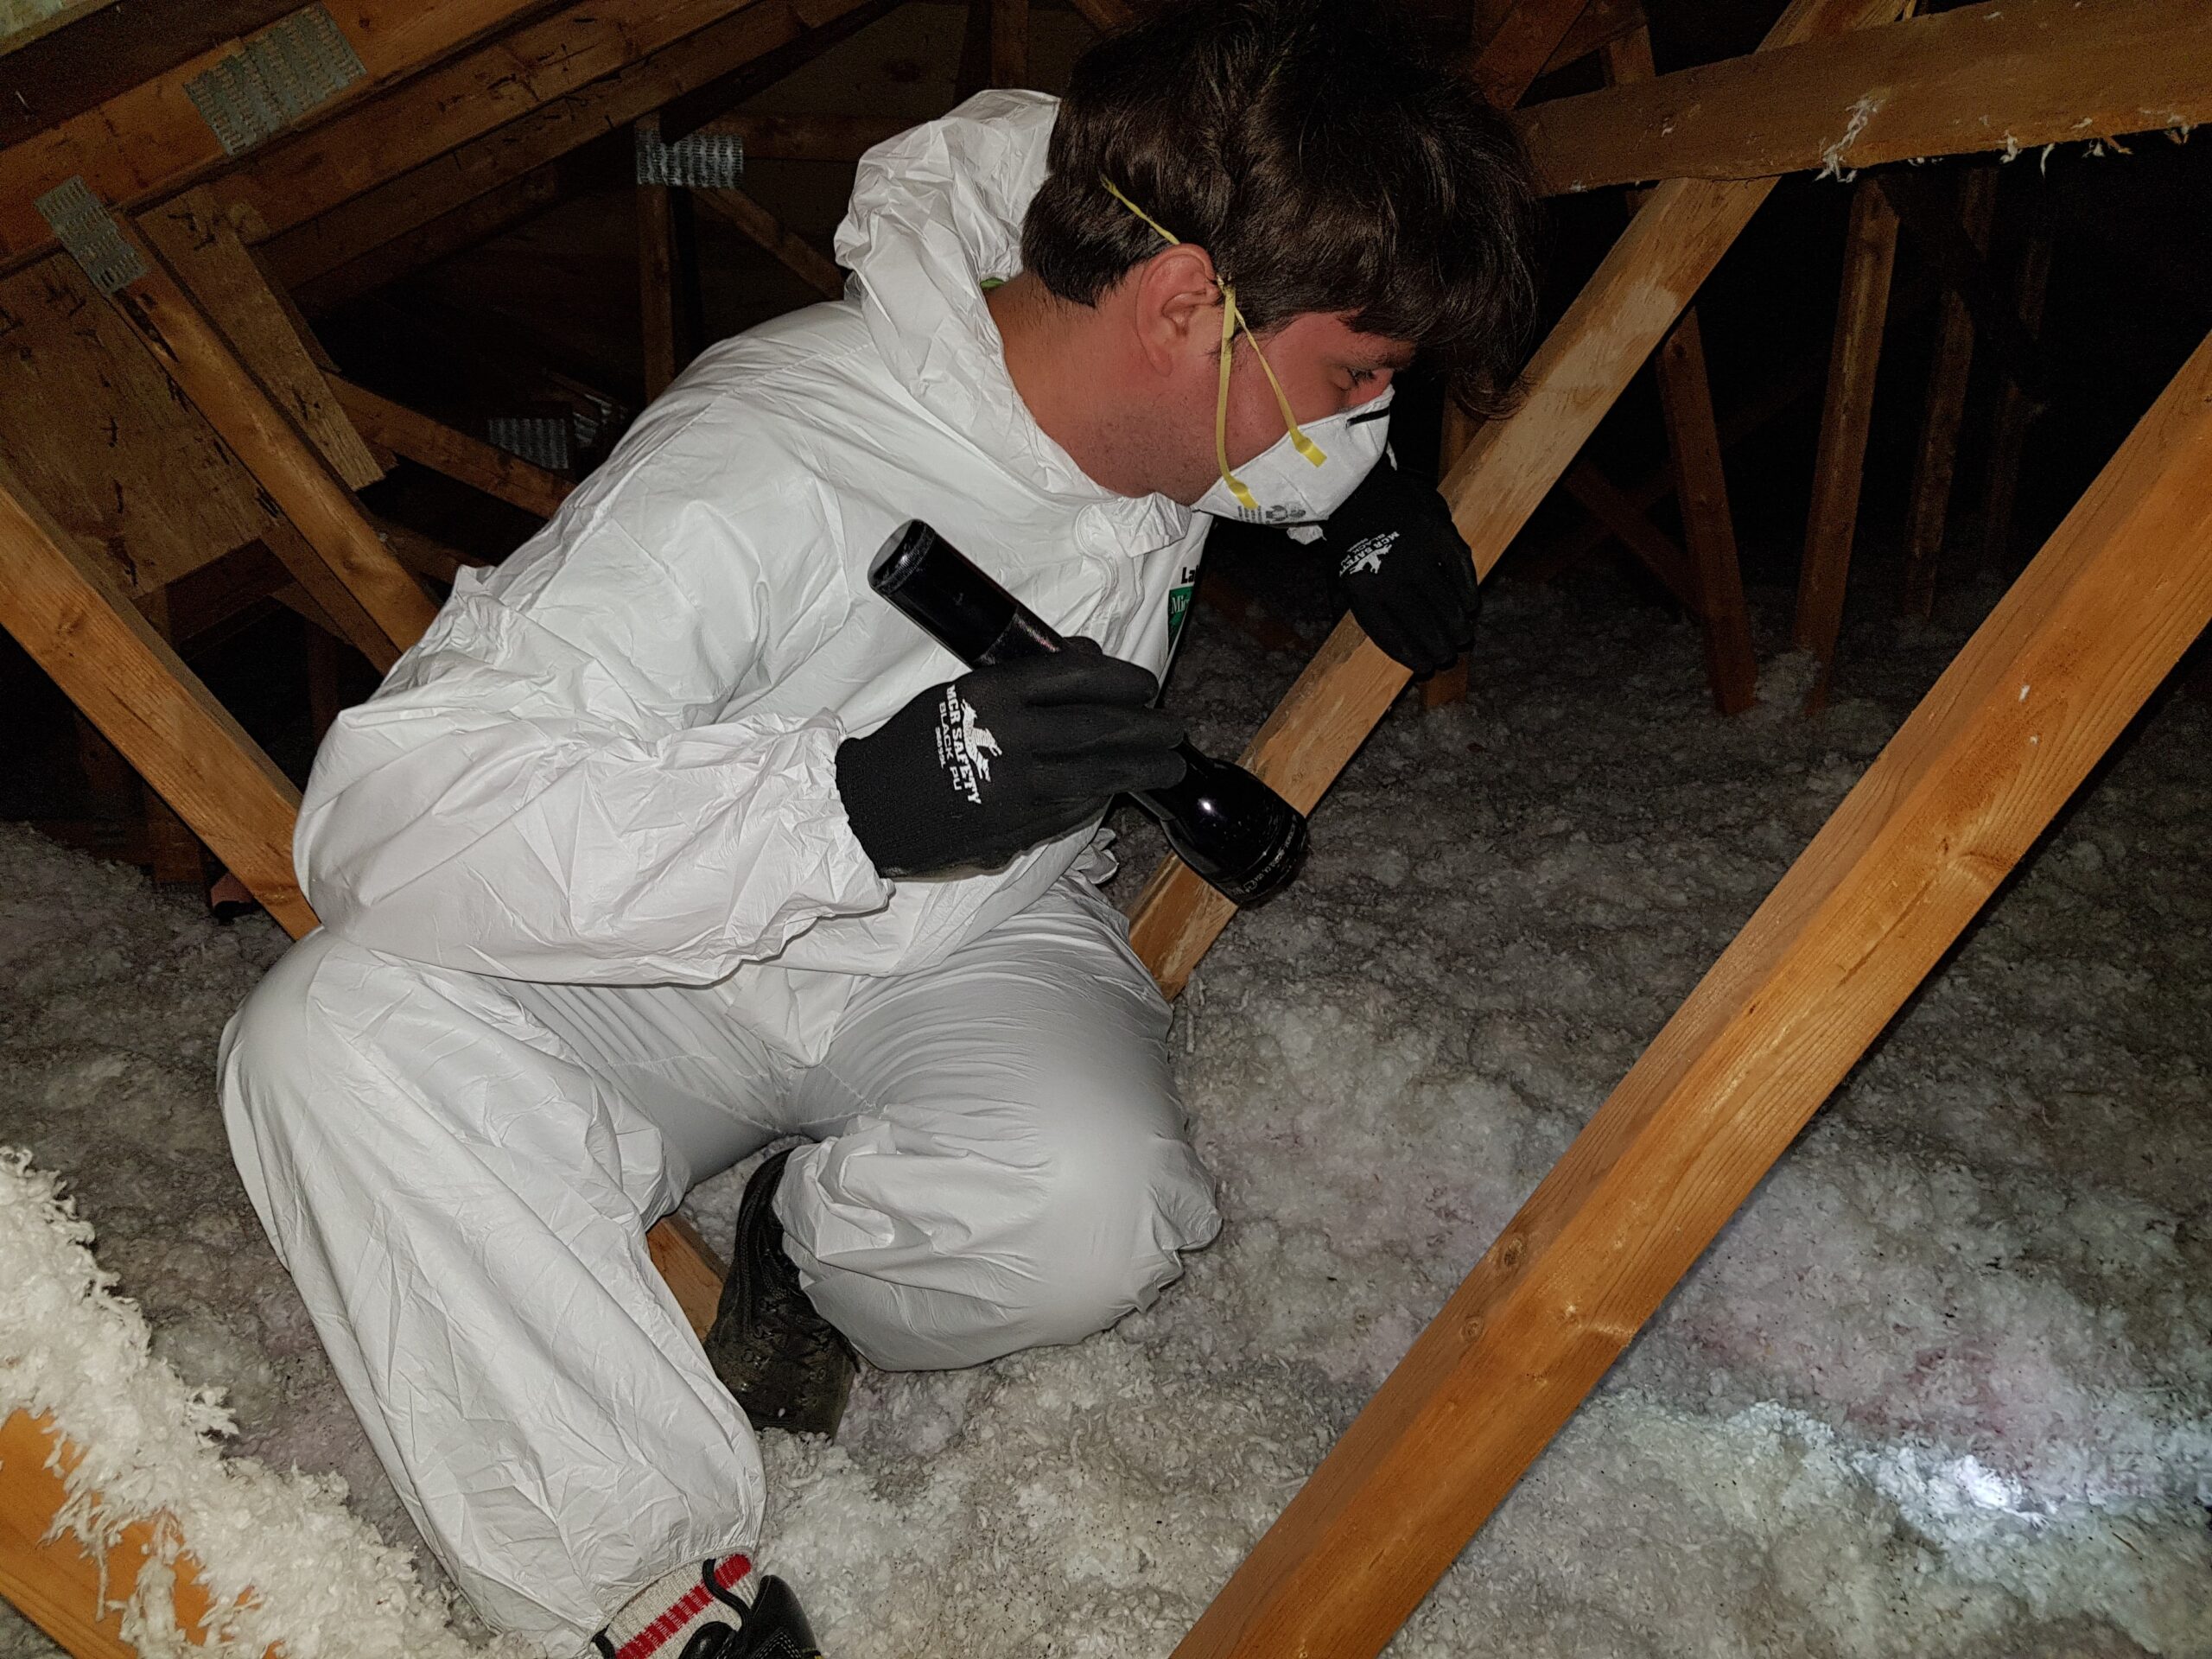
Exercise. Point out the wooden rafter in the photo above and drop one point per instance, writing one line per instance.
(459, 100)
(151, 140)
(2006, 75)
(1962, 791)
(1619, 319)
(402, 189)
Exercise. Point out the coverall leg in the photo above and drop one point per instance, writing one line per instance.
(458, 1170)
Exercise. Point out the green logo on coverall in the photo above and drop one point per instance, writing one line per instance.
(1179, 606)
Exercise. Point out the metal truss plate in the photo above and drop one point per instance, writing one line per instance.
(275, 79)
(89, 232)
(699, 160)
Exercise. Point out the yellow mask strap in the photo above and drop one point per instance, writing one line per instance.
(1232, 320)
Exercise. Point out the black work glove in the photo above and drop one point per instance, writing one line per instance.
(971, 773)
(1407, 572)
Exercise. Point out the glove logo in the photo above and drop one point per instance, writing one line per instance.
(1367, 554)
(964, 748)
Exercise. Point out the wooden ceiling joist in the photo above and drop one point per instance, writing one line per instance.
(151, 140)
(406, 191)
(2008, 75)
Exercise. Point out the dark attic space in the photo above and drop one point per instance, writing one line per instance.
(1586, 1034)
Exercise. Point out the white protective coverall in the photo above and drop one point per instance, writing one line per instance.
(596, 927)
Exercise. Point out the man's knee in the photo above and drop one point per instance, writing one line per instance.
(1110, 1223)
(300, 1088)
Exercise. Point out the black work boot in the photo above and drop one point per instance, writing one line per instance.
(710, 1609)
(772, 1627)
(786, 1364)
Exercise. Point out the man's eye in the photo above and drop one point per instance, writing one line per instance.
(1361, 376)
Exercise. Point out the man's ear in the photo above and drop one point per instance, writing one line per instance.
(1178, 307)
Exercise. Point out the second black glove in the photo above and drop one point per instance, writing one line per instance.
(971, 773)
(1407, 571)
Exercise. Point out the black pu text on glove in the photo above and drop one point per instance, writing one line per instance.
(1407, 572)
(973, 771)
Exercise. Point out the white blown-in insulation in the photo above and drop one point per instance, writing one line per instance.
(1943, 1388)
(321, 1580)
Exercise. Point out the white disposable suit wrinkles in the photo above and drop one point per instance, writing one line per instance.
(596, 927)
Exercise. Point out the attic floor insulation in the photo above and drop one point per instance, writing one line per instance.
(1943, 1388)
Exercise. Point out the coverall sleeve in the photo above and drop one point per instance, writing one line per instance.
(547, 788)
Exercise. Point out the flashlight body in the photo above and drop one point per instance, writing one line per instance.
(1227, 825)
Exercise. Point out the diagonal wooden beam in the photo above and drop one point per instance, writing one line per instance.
(2005, 75)
(793, 251)
(1518, 49)
(66, 613)
(439, 447)
(151, 140)
(401, 189)
(197, 240)
(1673, 242)
(363, 579)
(1915, 850)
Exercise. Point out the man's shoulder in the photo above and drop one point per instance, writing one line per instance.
(820, 344)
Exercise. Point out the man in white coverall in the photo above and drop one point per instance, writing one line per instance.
(598, 865)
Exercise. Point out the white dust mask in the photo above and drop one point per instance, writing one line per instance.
(1294, 481)
(1282, 486)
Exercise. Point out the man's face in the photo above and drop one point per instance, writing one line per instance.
(1325, 367)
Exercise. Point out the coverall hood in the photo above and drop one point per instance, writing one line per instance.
(935, 213)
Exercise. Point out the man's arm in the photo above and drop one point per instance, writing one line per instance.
(541, 792)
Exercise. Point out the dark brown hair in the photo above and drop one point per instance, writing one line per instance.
(1325, 160)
